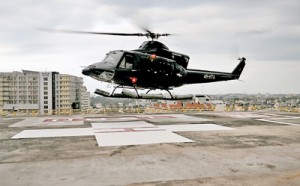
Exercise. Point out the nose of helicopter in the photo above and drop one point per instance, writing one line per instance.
(91, 70)
(86, 71)
(99, 72)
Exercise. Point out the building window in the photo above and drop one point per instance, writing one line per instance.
(45, 88)
(45, 83)
(45, 106)
(45, 97)
(45, 93)
(45, 102)
(45, 78)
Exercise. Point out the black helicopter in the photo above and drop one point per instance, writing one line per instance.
(152, 66)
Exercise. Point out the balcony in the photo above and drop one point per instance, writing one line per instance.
(65, 93)
(5, 98)
(7, 84)
(6, 89)
(62, 88)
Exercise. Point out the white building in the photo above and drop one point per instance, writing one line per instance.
(41, 92)
(20, 91)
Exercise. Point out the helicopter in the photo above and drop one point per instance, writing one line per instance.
(152, 66)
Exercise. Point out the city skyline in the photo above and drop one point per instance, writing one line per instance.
(214, 34)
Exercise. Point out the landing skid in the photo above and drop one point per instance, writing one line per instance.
(126, 93)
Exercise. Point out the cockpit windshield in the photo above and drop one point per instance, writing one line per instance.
(113, 57)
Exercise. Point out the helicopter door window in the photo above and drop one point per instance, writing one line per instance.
(126, 62)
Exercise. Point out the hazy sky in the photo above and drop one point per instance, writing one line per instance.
(213, 33)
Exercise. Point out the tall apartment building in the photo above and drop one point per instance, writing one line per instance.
(41, 92)
(69, 93)
(20, 91)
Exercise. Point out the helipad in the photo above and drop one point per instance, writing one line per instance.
(124, 133)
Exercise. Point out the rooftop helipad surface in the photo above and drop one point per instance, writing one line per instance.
(209, 148)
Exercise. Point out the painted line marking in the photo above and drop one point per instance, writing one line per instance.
(279, 122)
(287, 117)
(194, 127)
(128, 129)
(48, 133)
(109, 118)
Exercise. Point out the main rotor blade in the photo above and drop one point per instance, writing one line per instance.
(148, 34)
(99, 33)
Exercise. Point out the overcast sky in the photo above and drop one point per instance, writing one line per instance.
(213, 33)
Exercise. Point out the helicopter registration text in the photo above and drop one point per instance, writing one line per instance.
(209, 76)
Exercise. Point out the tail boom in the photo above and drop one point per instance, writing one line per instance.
(204, 76)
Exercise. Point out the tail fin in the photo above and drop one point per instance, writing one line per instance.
(239, 68)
